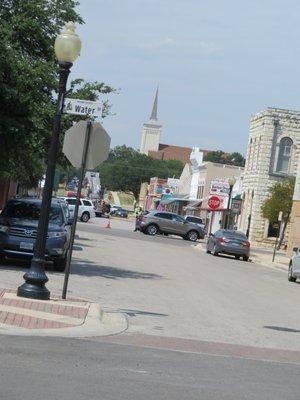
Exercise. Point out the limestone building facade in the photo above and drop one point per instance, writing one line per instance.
(272, 156)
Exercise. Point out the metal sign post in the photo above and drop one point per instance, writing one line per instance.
(277, 236)
(95, 142)
(83, 164)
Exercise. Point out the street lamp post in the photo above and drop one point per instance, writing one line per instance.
(231, 182)
(67, 49)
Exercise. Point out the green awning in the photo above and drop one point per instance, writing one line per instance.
(237, 197)
(170, 200)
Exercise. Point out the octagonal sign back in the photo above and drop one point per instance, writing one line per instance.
(98, 146)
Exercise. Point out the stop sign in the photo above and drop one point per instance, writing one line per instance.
(98, 147)
(214, 202)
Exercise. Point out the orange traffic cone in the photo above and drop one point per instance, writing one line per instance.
(108, 224)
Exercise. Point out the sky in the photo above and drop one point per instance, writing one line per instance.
(216, 62)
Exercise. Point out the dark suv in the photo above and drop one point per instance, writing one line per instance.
(18, 230)
(170, 223)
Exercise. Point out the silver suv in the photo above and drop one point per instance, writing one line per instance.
(170, 223)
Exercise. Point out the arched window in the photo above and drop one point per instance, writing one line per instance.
(284, 155)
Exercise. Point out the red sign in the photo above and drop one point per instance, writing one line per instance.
(214, 202)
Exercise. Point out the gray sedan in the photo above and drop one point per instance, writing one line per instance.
(226, 241)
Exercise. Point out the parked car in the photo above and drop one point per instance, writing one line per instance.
(170, 223)
(231, 242)
(195, 220)
(86, 208)
(121, 212)
(294, 266)
(114, 208)
(18, 230)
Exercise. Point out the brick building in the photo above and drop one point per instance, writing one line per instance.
(8, 189)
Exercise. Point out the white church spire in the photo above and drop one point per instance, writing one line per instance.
(151, 130)
(154, 108)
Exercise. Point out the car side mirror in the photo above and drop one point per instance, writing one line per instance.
(295, 249)
(70, 221)
(211, 235)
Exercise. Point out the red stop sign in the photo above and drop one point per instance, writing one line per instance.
(214, 202)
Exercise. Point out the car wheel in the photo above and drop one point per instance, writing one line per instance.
(237, 257)
(208, 251)
(214, 252)
(290, 274)
(85, 217)
(60, 264)
(245, 258)
(152, 230)
(192, 236)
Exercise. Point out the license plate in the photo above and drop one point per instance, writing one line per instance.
(26, 246)
(235, 244)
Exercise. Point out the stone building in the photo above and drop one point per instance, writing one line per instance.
(272, 156)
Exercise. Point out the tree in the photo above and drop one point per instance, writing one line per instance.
(220, 156)
(280, 199)
(236, 159)
(28, 81)
(126, 169)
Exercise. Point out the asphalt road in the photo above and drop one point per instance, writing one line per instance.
(199, 326)
(41, 368)
(168, 287)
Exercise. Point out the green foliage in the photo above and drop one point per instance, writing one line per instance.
(28, 81)
(126, 169)
(280, 199)
(220, 156)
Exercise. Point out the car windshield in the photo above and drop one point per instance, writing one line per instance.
(235, 234)
(71, 202)
(31, 211)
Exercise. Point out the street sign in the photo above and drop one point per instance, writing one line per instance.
(98, 144)
(214, 202)
(83, 107)
(236, 206)
(219, 187)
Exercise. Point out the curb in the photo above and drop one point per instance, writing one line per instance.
(269, 264)
(97, 323)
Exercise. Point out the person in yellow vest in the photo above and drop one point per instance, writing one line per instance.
(138, 212)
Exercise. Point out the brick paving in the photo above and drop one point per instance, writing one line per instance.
(38, 314)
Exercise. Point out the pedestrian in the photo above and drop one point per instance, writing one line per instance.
(138, 216)
(107, 209)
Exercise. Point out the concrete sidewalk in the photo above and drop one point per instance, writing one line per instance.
(56, 317)
(264, 257)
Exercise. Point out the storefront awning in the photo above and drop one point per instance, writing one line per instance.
(178, 198)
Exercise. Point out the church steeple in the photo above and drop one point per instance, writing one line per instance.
(151, 130)
(154, 109)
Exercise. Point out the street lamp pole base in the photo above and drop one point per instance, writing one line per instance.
(35, 279)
